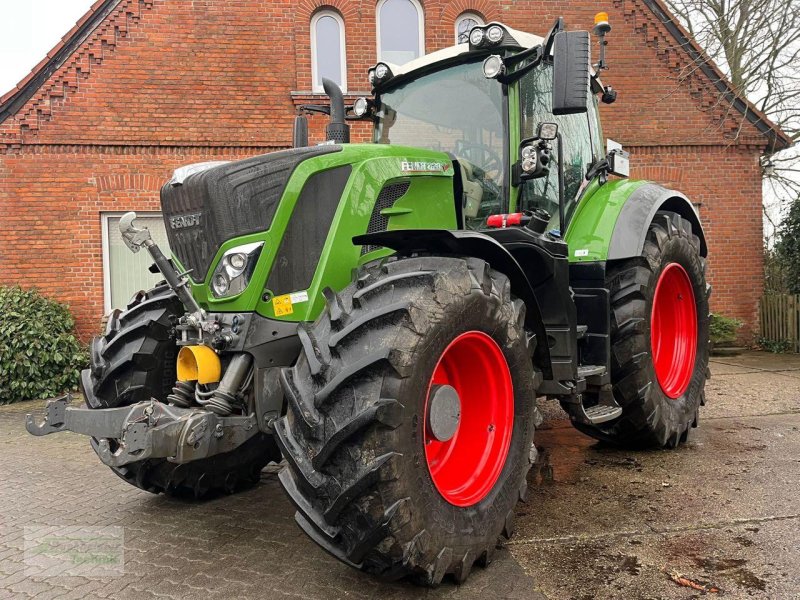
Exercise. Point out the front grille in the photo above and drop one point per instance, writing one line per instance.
(229, 200)
(301, 247)
(390, 194)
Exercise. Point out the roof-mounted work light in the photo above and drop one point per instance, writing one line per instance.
(486, 37)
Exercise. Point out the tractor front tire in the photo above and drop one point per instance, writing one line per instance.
(659, 338)
(383, 476)
(134, 361)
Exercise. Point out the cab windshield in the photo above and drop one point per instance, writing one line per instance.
(458, 111)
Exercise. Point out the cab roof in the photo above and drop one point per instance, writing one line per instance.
(514, 39)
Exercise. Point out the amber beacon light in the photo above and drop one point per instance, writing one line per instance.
(601, 24)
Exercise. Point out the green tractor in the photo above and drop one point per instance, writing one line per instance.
(383, 316)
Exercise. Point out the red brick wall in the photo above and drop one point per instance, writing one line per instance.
(163, 83)
(725, 184)
(51, 204)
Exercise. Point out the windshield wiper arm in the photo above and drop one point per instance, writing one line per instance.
(535, 55)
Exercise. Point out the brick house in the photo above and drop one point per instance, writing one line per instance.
(140, 87)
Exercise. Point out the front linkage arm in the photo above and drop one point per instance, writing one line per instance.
(147, 429)
(136, 239)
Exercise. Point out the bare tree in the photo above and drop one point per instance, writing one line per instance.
(756, 43)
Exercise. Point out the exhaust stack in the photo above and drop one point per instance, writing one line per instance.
(337, 130)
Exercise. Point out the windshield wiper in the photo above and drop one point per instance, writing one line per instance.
(532, 57)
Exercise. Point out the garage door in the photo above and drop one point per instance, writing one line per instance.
(124, 272)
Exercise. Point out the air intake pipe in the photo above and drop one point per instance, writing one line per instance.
(300, 132)
(337, 130)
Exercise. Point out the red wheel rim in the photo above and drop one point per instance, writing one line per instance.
(466, 467)
(673, 330)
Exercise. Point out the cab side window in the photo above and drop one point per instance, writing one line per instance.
(536, 107)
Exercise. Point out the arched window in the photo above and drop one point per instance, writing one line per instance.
(328, 50)
(464, 23)
(401, 31)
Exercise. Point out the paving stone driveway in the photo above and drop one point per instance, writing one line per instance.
(602, 523)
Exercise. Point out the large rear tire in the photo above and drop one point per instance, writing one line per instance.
(135, 361)
(371, 481)
(659, 338)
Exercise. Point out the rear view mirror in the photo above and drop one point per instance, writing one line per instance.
(571, 72)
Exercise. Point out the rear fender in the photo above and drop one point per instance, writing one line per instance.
(611, 221)
(639, 211)
(478, 245)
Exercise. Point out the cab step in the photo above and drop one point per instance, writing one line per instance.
(601, 413)
(586, 371)
(605, 410)
(592, 375)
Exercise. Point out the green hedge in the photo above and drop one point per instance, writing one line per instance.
(40, 356)
(723, 330)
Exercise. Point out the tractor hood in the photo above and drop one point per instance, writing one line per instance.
(207, 204)
(301, 208)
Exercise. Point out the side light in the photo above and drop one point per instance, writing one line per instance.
(493, 66)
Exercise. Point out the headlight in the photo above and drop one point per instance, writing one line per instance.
(381, 71)
(527, 151)
(547, 131)
(235, 269)
(529, 165)
(220, 284)
(476, 36)
(494, 34)
(237, 261)
(360, 107)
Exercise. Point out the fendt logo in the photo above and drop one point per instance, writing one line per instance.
(413, 166)
(182, 221)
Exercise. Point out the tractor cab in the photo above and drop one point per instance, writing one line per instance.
(458, 111)
(483, 101)
(518, 116)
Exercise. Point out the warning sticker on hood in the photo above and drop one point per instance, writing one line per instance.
(284, 305)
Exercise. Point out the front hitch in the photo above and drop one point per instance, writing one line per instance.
(147, 429)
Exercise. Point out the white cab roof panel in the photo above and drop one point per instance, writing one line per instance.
(525, 40)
